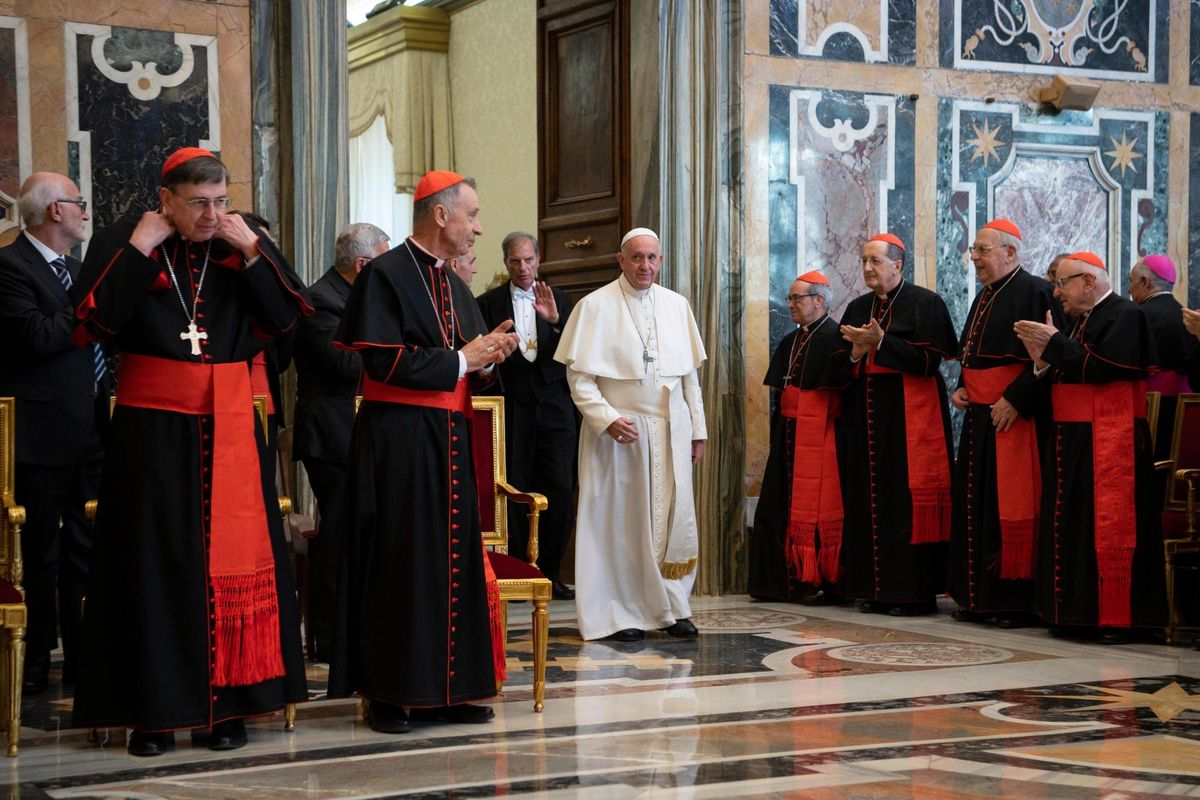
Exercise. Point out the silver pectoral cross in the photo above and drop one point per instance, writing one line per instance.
(194, 335)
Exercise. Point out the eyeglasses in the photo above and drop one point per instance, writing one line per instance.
(794, 299)
(981, 249)
(201, 204)
(81, 203)
(1062, 282)
(876, 261)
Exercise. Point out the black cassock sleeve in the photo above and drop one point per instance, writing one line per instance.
(920, 336)
(1117, 346)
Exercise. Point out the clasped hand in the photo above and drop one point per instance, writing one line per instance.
(155, 227)
(483, 351)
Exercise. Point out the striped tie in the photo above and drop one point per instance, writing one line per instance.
(59, 265)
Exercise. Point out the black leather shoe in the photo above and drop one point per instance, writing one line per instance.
(460, 714)
(1017, 619)
(387, 718)
(626, 635)
(149, 743)
(228, 735)
(962, 615)
(682, 628)
(1111, 636)
(561, 591)
(37, 675)
(872, 607)
(913, 609)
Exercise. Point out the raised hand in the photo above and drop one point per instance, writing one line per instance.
(544, 303)
(234, 230)
(152, 229)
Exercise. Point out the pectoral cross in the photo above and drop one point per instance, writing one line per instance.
(194, 336)
(647, 359)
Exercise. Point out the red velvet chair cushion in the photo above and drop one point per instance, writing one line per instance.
(9, 594)
(481, 458)
(509, 567)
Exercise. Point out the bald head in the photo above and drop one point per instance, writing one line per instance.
(52, 210)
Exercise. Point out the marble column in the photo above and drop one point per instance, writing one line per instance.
(698, 130)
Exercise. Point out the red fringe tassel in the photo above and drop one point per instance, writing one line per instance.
(930, 516)
(247, 629)
(1016, 549)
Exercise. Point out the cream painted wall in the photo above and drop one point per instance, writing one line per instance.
(493, 96)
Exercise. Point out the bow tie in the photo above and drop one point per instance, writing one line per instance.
(523, 294)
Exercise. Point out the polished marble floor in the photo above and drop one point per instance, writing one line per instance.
(772, 700)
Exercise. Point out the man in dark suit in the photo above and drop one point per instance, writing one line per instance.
(62, 409)
(537, 403)
(328, 380)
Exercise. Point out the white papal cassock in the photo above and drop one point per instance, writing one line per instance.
(634, 354)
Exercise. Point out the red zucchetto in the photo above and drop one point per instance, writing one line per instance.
(890, 238)
(813, 277)
(434, 182)
(1005, 226)
(182, 155)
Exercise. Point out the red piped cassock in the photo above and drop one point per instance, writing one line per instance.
(794, 551)
(997, 483)
(191, 615)
(414, 628)
(896, 433)
(1100, 557)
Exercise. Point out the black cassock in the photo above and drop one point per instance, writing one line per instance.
(415, 627)
(881, 563)
(1111, 343)
(146, 618)
(820, 359)
(989, 342)
(1175, 349)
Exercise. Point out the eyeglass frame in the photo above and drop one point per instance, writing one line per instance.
(201, 204)
(1061, 283)
(83, 204)
(877, 261)
(794, 299)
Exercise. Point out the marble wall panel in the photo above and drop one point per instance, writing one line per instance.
(1194, 25)
(133, 96)
(14, 117)
(1079, 180)
(1113, 39)
(841, 169)
(882, 31)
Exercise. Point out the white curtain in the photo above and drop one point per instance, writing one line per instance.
(373, 196)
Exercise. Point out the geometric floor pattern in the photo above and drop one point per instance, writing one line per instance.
(772, 700)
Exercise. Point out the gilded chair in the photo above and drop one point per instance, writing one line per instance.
(12, 597)
(518, 577)
(1153, 407)
(1181, 539)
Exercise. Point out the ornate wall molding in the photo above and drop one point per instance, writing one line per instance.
(16, 158)
(873, 31)
(133, 96)
(1113, 39)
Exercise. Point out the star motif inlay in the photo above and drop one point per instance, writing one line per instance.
(1123, 154)
(1167, 703)
(987, 143)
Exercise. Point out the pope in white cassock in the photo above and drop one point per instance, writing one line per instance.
(632, 349)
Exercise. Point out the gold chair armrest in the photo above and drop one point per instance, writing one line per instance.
(1189, 476)
(89, 510)
(537, 504)
(534, 500)
(14, 516)
(1164, 465)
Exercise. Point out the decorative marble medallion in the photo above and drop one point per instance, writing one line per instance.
(921, 654)
(873, 31)
(841, 169)
(133, 96)
(1093, 180)
(1114, 39)
(744, 620)
(15, 158)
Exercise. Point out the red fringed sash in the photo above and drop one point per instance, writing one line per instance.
(816, 491)
(457, 400)
(1018, 473)
(928, 462)
(241, 566)
(1110, 409)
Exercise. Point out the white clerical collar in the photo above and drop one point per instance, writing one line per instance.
(46, 252)
(1098, 302)
(438, 262)
(629, 289)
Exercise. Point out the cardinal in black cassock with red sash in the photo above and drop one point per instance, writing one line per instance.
(896, 432)
(795, 544)
(416, 632)
(1100, 556)
(997, 477)
(191, 618)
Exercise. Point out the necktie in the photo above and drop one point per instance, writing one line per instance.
(59, 265)
(523, 294)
